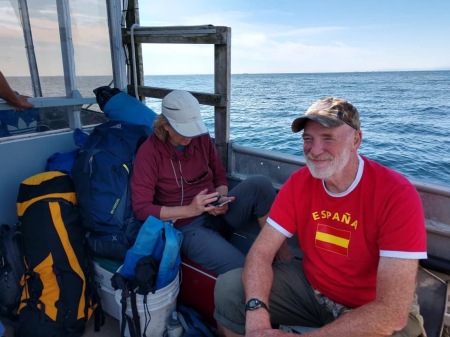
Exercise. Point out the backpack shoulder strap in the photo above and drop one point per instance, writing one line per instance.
(3, 230)
(126, 320)
(136, 318)
(134, 326)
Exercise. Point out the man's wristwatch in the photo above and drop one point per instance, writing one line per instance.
(254, 304)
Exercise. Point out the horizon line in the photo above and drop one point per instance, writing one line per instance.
(257, 73)
(306, 73)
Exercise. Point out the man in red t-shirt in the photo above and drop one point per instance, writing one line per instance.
(361, 229)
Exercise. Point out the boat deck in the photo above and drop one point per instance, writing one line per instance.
(111, 328)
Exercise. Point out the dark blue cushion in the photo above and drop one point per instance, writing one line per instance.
(62, 161)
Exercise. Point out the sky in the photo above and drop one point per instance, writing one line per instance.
(268, 36)
(297, 36)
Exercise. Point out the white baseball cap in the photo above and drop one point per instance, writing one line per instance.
(182, 111)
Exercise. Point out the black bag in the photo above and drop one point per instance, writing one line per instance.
(146, 272)
(11, 270)
(101, 176)
(59, 295)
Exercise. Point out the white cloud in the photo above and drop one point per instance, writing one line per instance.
(279, 39)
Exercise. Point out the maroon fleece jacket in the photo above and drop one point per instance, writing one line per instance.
(162, 174)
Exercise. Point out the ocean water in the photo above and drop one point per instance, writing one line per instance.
(405, 116)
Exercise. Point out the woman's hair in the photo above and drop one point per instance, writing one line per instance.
(158, 128)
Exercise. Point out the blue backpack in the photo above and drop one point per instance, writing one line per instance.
(193, 324)
(101, 175)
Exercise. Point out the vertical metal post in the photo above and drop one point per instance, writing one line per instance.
(115, 41)
(136, 76)
(222, 85)
(28, 37)
(67, 53)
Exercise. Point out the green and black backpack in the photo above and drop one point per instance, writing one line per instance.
(59, 295)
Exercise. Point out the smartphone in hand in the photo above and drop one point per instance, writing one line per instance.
(221, 203)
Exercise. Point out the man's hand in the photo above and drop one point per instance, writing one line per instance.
(21, 103)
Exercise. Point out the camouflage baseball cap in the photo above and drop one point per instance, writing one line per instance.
(329, 112)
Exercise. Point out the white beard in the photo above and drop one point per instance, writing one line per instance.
(330, 165)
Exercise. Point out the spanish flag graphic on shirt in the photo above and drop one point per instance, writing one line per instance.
(332, 239)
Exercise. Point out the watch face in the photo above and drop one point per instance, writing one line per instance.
(254, 303)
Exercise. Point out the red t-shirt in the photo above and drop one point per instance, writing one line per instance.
(166, 176)
(343, 235)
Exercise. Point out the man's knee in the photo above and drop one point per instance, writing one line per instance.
(229, 300)
(413, 328)
(228, 290)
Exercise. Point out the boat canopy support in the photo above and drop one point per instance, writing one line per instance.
(134, 36)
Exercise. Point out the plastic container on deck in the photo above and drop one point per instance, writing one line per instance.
(160, 306)
(104, 270)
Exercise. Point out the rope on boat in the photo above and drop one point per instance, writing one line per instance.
(133, 59)
(433, 275)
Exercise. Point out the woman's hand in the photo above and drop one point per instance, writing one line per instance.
(222, 208)
(202, 202)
